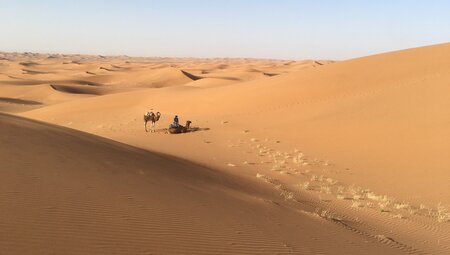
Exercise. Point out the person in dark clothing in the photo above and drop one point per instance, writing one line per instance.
(175, 122)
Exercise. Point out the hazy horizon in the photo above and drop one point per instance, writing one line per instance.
(223, 29)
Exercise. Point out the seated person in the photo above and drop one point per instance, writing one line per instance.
(175, 122)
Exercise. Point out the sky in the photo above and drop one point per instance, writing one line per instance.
(280, 29)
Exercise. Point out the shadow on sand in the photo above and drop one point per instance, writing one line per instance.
(190, 130)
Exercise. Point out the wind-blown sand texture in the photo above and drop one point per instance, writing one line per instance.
(289, 157)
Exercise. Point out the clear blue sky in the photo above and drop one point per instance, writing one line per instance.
(286, 29)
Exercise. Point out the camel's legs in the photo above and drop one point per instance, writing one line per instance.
(145, 125)
(153, 126)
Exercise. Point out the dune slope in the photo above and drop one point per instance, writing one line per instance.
(384, 117)
(64, 191)
(361, 144)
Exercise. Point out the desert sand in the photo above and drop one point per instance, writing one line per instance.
(285, 157)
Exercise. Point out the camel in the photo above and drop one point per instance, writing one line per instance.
(180, 128)
(150, 116)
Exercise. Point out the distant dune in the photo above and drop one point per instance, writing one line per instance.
(302, 157)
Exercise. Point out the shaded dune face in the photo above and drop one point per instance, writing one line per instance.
(88, 195)
(75, 89)
(191, 76)
(18, 101)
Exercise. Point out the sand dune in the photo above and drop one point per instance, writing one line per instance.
(86, 194)
(18, 101)
(75, 89)
(67, 73)
(307, 150)
(378, 103)
(9, 104)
